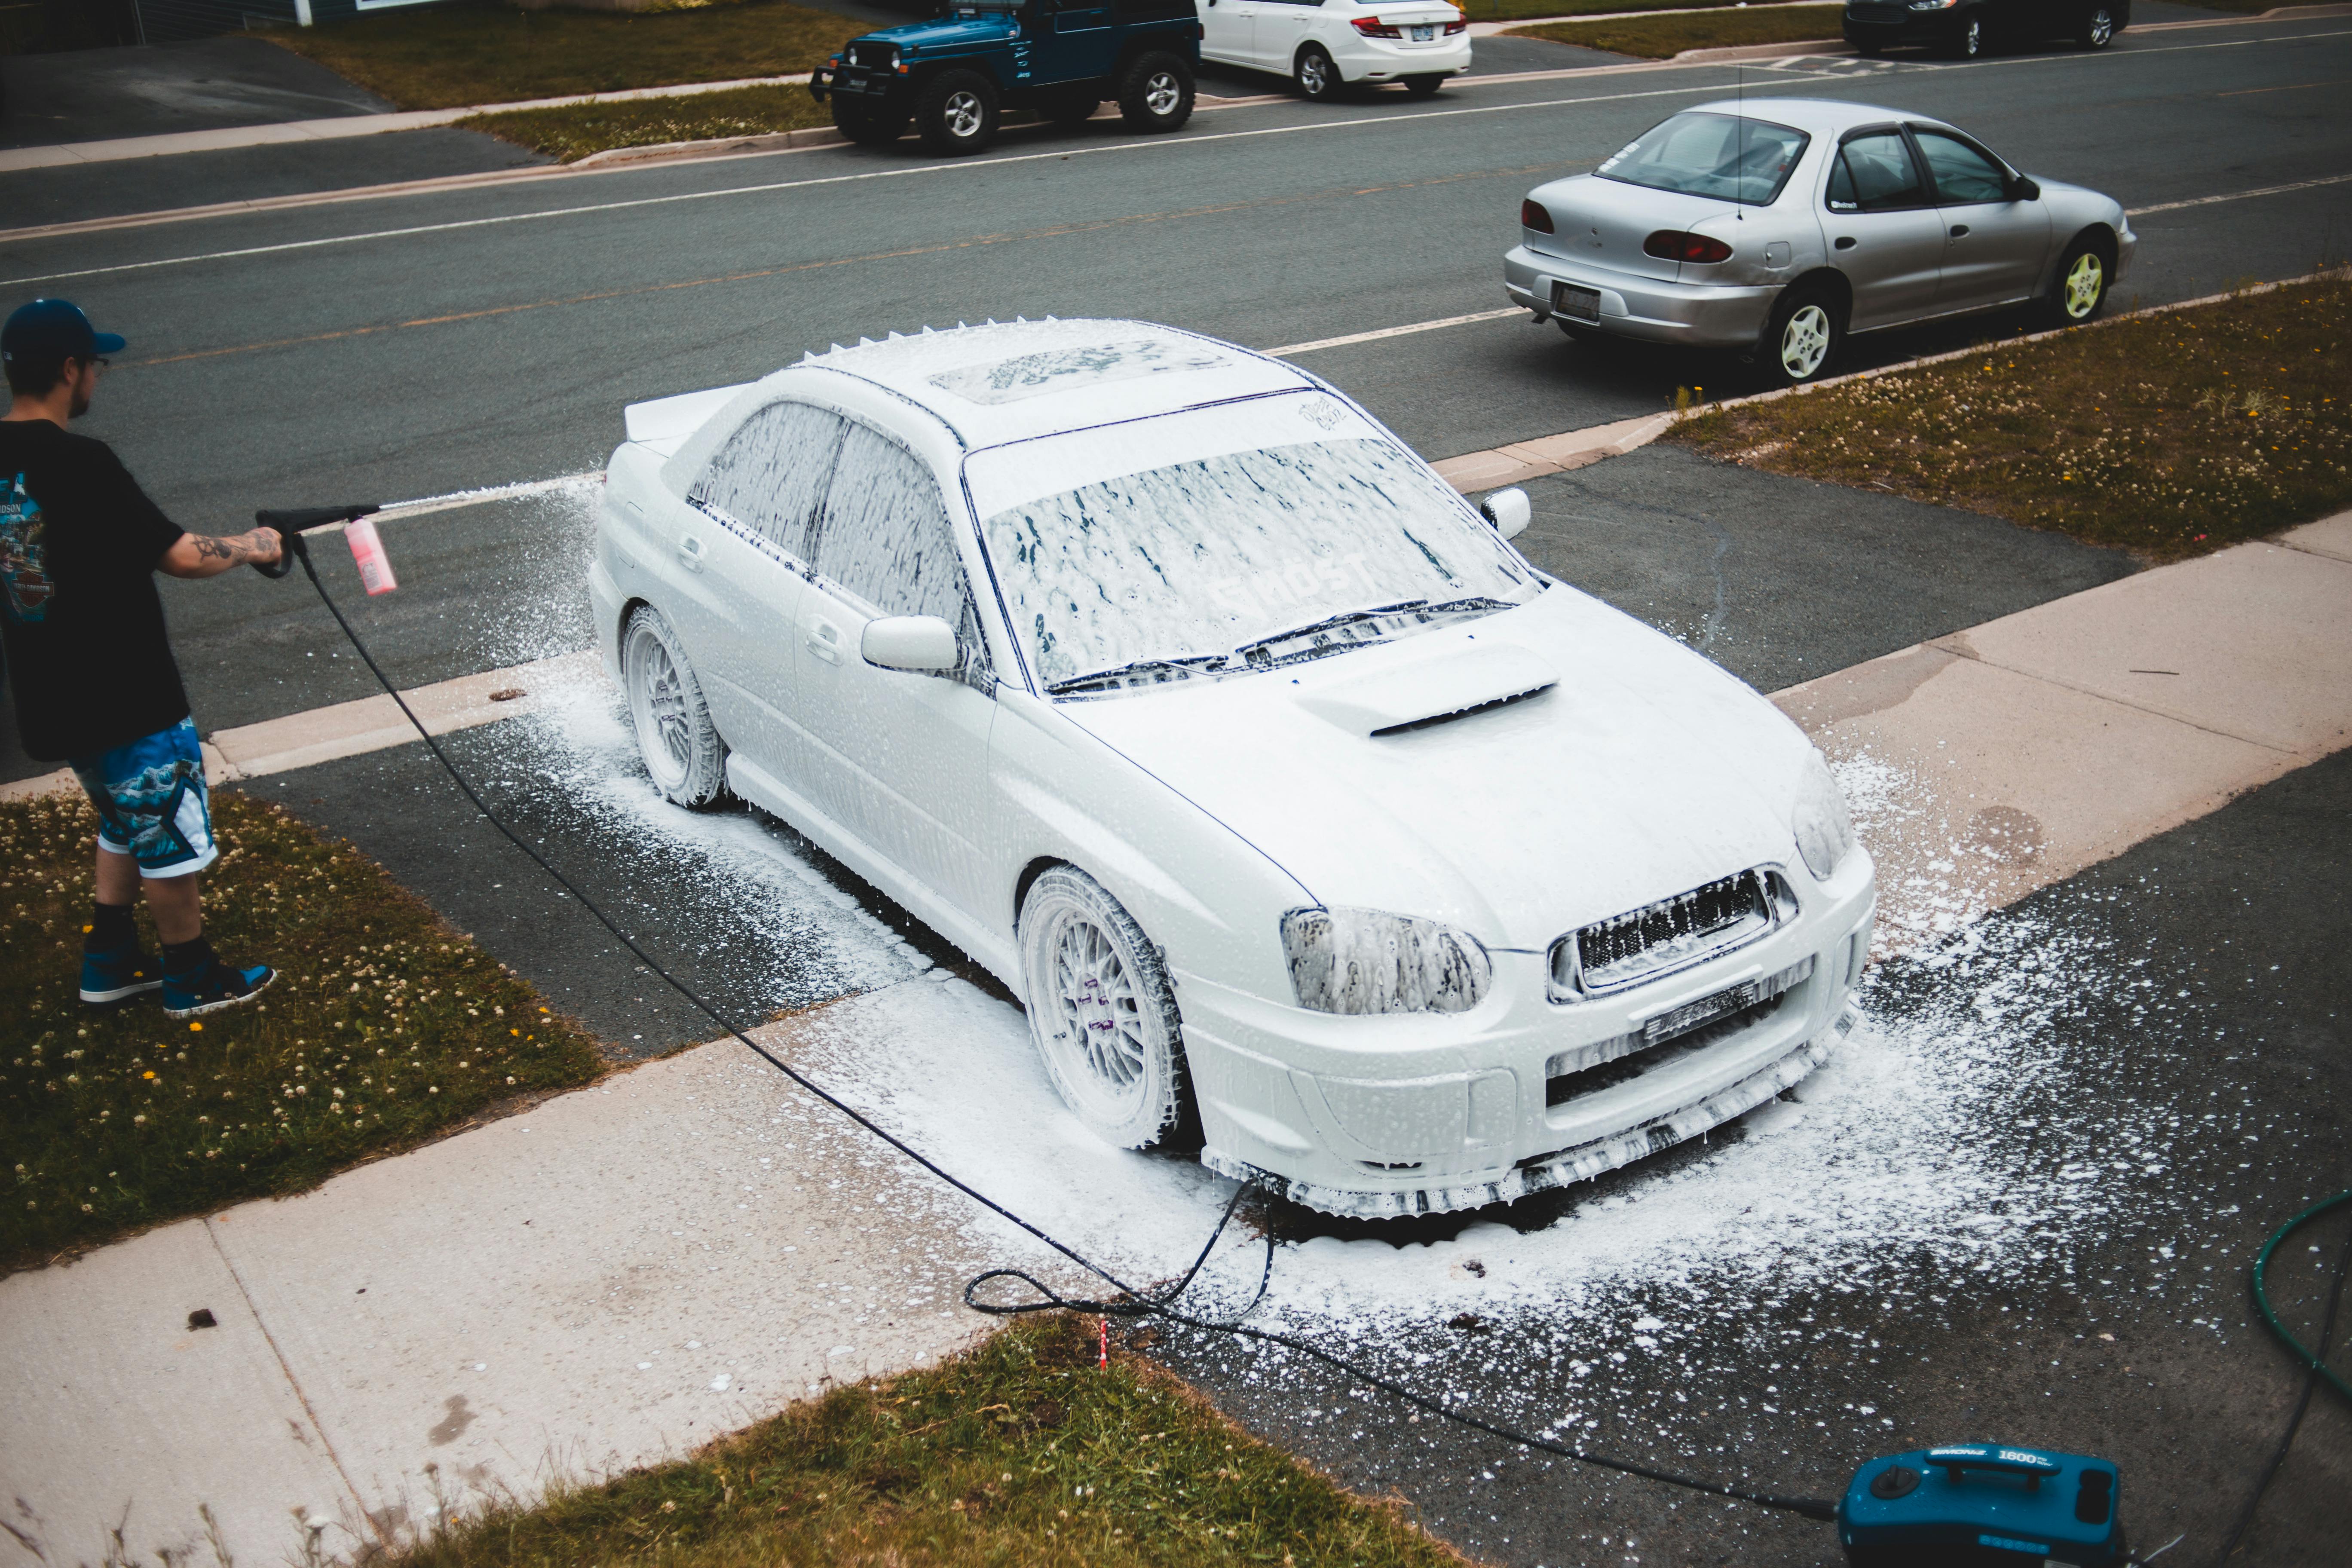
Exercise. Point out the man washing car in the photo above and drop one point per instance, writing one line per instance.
(91, 668)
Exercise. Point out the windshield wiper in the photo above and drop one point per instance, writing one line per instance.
(1420, 607)
(1196, 664)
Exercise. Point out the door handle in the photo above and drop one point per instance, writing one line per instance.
(690, 552)
(824, 641)
(1958, 229)
(1845, 242)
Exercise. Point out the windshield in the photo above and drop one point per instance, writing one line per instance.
(1727, 157)
(1238, 550)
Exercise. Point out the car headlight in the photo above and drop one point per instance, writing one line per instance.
(1823, 830)
(1362, 960)
(1933, 4)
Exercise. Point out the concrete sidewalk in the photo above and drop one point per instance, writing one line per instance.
(626, 1272)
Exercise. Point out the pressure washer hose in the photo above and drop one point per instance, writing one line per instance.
(2262, 1297)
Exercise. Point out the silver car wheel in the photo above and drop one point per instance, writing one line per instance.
(2102, 27)
(1805, 342)
(1162, 93)
(1313, 74)
(1100, 1009)
(2086, 281)
(964, 113)
(1972, 39)
(683, 754)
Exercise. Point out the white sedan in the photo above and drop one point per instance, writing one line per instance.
(1316, 829)
(1326, 46)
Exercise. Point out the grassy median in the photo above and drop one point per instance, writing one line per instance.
(2168, 434)
(1021, 1454)
(1662, 37)
(570, 131)
(446, 57)
(385, 1029)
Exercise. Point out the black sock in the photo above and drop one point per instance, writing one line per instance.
(186, 957)
(111, 930)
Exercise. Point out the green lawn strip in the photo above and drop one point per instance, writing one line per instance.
(1021, 1454)
(572, 131)
(383, 1029)
(2170, 434)
(1662, 37)
(446, 57)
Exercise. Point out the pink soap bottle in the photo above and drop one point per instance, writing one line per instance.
(367, 549)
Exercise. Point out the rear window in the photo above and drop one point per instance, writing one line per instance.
(1727, 157)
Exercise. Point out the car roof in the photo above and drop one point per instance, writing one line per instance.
(1009, 381)
(1821, 116)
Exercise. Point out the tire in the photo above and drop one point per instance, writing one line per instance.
(682, 750)
(1315, 76)
(1068, 110)
(1807, 331)
(1156, 93)
(1968, 40)
(1423, 86)
(957, 112)
(2097, 28)
(1102, 1013)
(2080, 289)
(864, 126)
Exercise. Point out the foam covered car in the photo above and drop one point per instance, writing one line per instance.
(1316, 829)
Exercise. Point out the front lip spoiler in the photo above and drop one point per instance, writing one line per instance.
(1568, 1166)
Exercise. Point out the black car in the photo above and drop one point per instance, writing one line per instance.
(1963, 27)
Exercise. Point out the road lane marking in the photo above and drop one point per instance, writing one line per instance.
(1288, 349)
(2293, 87)
(2238, 195)
(1355, 123)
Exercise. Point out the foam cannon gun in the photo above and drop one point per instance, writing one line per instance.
(367, 549)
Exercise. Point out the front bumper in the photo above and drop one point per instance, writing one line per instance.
(1392, 1116)
(1702, 315)
(1880, 30)
(1389, 59)
(859, 84)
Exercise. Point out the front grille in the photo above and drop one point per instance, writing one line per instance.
(1695, 1027)
(875, 57)
(1643, 944)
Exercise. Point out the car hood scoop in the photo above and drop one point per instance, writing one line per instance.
(1464, 680)
(1590, 766)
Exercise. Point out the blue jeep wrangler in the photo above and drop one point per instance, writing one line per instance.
(955, 75)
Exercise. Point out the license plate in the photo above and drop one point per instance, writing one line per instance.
(1705, 1010)
(1423, 34)
(850, 80)
(1577, 304)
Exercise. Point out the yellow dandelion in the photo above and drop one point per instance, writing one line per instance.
(194, 1028)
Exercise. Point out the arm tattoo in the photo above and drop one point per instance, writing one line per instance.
(244, 547)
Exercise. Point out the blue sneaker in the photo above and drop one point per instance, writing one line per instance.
(109, 978)
(212, 986)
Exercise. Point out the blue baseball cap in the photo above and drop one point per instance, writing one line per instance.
(49, 329)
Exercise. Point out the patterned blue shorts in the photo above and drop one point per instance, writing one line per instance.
(152, 801)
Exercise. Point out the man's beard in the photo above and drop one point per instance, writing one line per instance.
(81, 403)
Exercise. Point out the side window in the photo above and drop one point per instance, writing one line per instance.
(883, 535)
(1874, 172)
(770, 478)
(1962, 174)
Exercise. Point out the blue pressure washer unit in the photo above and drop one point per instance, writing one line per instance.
(1982, 1505)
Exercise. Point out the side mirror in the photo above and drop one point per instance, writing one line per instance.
(2022, 189)
(1508, 510)
(920, 644)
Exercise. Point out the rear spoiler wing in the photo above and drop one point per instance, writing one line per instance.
(670, 420)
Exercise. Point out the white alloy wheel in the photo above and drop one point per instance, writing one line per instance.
(1101, 1010)
(2085, 286)
(965, 114)
(1163, 92)
(1804, 341)
(683, 754)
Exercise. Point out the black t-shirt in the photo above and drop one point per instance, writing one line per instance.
(88, 658)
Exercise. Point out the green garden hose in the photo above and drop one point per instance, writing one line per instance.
(2262, 1297)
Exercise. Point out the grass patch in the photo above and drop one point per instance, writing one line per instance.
(572, 131)
(2170, 434)
(1662, 37)
(1020, 1453)
(446, 57)
(383, 1029)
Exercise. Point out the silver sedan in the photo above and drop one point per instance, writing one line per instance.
(1780, 225)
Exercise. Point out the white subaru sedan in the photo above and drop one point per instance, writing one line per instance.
(1315, 827)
